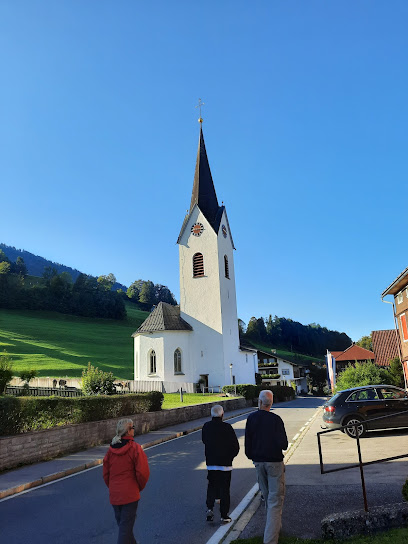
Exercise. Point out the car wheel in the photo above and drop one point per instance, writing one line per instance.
(351, 431)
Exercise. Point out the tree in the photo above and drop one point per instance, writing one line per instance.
(241, 328)
(147, 293)
(256, 329)
(366, 373)
(133, 291)
(317, 379)
(366, 342)
(396, 373)
(3, 257)
(20, 267)
(6, 371)
(49, 273)
(26, 376)
(106, 282)
(97, 382)
(4, 268)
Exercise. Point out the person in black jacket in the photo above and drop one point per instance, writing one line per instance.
(221, 446)
(265, 438)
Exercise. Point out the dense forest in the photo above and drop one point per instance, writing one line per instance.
(283, 333)
(86, 296)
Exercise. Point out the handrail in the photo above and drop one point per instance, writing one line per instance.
(360, 463)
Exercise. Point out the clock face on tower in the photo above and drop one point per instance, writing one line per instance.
(224, 231)
(197, 229)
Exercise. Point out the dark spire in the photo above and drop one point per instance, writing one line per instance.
(203, 189)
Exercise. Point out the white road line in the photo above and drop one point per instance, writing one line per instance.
(223, 530)
(99, 466)
(295, 437)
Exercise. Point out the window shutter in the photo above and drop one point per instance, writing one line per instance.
(198, 265)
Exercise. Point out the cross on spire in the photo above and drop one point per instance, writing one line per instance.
(200, 105)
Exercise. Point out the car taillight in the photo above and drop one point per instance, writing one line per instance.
(330, 409)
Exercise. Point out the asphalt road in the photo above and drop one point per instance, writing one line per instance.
(172, 507)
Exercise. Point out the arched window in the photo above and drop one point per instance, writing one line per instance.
(152, 359)
(177, 361)
(198, 265)
(226, 267)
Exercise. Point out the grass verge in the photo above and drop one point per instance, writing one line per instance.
(394, 536)
(172, 400)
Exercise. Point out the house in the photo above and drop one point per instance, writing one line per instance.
(198, 341)
(399, 290)
(275, 370)
(350, 355)
(385, 346)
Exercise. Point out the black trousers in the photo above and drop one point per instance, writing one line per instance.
(219, 488)
(125, 515)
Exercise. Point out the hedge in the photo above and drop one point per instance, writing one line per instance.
(24, 414)
(250, 391)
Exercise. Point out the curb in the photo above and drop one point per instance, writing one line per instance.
(73, 470)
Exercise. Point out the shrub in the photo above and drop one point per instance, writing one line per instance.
(97, 382)
(24, 414)
(6, 372)
(405, 490)
(26, 376)
(250, 391)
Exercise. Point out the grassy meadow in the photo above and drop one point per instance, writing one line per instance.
(61, 345)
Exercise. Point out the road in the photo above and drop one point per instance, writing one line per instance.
(172, 507)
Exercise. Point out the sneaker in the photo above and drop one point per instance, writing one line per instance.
(227, 519)
(210, 515)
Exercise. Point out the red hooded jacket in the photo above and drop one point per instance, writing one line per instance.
(125, 471)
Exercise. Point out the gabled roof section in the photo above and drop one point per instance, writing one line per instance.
(385, 346)
(164, 317)
(398, 284)
(355, 353)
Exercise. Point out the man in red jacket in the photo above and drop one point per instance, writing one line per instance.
(126, 472)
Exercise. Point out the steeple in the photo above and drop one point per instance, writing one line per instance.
(204, 194)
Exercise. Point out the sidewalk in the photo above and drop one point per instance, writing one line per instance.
(21, 479)
(310, 495)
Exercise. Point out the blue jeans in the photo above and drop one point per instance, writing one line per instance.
(125, 515)
(271, 480)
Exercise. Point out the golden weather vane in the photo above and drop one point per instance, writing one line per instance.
(200, 105)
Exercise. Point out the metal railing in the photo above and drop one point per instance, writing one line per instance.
(360, 463)
(16, 391)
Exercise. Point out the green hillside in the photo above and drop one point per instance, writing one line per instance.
(62, 345)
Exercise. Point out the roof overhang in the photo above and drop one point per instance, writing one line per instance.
(397, 284)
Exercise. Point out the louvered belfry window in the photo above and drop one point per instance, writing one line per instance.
(226, 266)
(198, 265)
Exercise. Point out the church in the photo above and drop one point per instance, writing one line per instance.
(197, 341)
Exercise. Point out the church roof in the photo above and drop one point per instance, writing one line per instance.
(204, 195)
(164, 317)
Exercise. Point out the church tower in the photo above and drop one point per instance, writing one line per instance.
(207, 280)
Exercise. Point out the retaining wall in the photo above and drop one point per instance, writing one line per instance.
(39, 446)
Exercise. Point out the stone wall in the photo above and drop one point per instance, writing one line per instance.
(42, 445)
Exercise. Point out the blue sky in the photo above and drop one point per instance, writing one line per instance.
(305, 122)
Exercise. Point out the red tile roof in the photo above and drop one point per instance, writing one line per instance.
(385, 346)
(354, 353)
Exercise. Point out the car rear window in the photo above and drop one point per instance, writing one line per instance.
(334, 398)
(389, 393)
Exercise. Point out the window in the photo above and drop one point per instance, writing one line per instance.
(404, 329)
(400, 297)
(226, 267)
(285, 372)
(152, 358)
(365, 394)
(395, 394)
(198, 265)
(177, 361)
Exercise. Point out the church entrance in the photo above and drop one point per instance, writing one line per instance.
(204, 382)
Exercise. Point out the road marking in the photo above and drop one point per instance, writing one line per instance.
(223, 530)
(295, 437)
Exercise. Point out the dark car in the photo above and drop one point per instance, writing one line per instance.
(359, 404)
